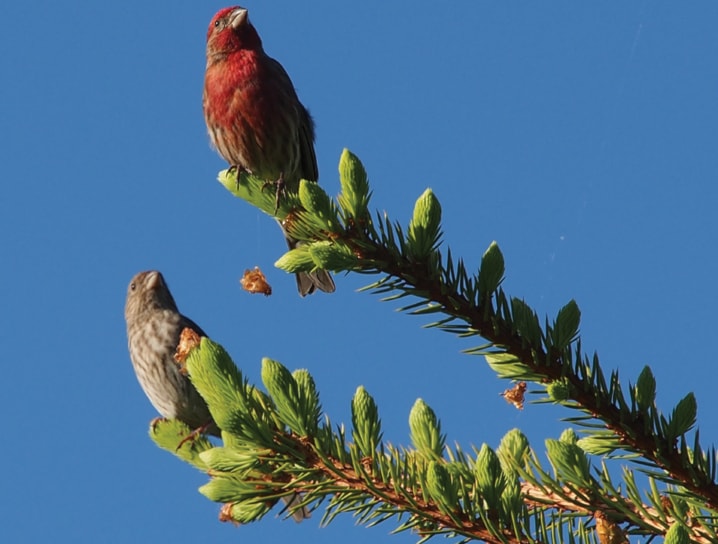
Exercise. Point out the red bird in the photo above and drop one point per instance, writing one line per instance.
(254, 117)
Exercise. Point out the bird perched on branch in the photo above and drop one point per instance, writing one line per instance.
(254, 117)
(154, 325)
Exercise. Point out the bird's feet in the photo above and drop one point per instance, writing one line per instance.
(156, 421)
(238, 169)
(280, 190)
(191, 437)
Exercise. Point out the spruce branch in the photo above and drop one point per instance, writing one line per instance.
(494, 496)
(279, 445)
(343, 237)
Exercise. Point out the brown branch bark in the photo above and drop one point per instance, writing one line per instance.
(552, 365)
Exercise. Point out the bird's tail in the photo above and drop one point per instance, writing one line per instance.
(308, 282)
(299, 514)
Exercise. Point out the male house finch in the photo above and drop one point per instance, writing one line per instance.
(254, 117)
(154, 325)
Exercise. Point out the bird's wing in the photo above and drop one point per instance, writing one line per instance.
(187, 322)
(308, 163)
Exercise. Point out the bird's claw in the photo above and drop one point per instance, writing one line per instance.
(191, 437)
(239, 169)
(280, 190)
(156, 421)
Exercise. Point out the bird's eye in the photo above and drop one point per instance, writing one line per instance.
(133, 286)
(216, 23)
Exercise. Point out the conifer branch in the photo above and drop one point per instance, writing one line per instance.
(275, 446)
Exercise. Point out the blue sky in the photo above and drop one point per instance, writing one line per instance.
(580, 136)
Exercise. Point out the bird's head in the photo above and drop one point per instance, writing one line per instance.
(148, 291)
(230, 30)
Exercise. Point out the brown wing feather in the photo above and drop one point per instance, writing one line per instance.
(308, 159)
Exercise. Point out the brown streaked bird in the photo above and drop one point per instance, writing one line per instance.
(254, 117)
(154, 325)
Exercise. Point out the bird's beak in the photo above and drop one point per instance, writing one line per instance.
(238, 18)
(154, 279)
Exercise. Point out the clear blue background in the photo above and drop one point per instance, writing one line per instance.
(581, 136)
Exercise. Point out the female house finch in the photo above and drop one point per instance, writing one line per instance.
(254, 117)
(154, 325)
